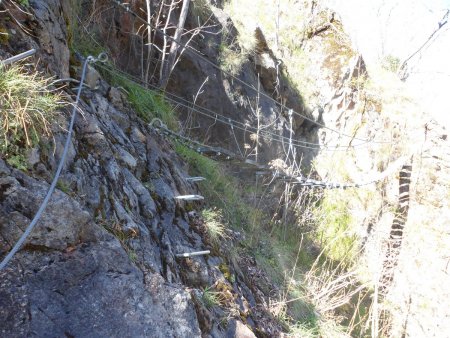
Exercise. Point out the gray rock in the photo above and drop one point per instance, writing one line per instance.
(126, 158)
(62, 223)
(92, 291)
(33, 156)
(92, 77)
(236, 329)
(139, 140)
(4, 170)
(116, 97)
(128, 225)
(146, 203)
(52, 34)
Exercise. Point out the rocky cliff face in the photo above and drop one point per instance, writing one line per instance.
(102, 260)
(236, 95)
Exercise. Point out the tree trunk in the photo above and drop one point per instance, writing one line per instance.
(168, 66)
(396, 233)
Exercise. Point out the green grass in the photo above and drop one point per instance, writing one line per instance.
(64, 187)
(335, 232)
(27, 108)
(232, 59)
(210, 298)
(220, 190)
(147, 103)
(78, 36)
(214, 225)
(24, 3)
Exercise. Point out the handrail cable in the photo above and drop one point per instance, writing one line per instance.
(215, 115)
(234, 123)
(198, 54)
(90, 59)
(158, 125)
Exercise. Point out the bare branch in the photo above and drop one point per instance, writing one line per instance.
(402, 70)
(167, 68)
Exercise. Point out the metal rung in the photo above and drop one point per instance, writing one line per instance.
(18, 57)
(195, 179)
(191, 254)
(251, 162)
(263, 173)
(190, 197)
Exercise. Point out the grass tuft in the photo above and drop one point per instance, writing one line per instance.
(211, 298)
(214, 225)
(221, 190)
(27, 107)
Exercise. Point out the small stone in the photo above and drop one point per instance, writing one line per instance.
(92, 77)
(116, 97)
(33, 156)
(127, 158)
(237, 329)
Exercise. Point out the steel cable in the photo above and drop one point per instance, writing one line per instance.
(90, 59)
(231, 122)
(159, 126)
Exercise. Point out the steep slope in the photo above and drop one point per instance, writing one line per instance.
(103, 259)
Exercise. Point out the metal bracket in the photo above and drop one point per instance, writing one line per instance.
(190, 197)
(195, 179)
(191, 254)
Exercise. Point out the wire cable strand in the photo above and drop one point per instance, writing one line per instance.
(177, 100)
(90, 59)
(160, 127)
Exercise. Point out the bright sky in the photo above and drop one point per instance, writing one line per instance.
(398, 28)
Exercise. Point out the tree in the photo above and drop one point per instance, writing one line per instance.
(167, 67)
(402, 71)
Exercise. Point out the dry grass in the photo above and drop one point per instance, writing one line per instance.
(213, 221)
(416, 301)
(27, 107)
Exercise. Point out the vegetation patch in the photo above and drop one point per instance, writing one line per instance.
(213, 221)
(221, 190)
(28, 105)
(275, 252)
(231, 58)
(147, 103)
(335, 231)
(211, 298)
(4, 36)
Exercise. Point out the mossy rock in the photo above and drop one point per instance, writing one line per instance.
(224, 268)
(4, 36)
